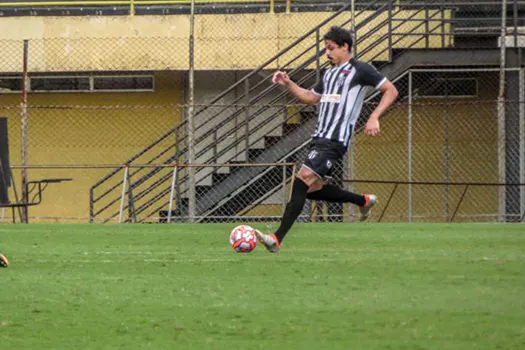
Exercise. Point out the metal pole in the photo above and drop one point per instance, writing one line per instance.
(131, 201)
(409, 145)
(191, 123)
(247, 120)
(132, 8)
(123, 195)
(24, 141)
(177, 183)
(317, 55)
(521, 107)
(354, 34)
(91, 208)
(173, 181)
(284, 188)
(501, 117)
(389, 30)
(446, 155)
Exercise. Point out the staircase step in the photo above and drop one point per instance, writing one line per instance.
(234, 169)
(253, 153)
(269, 141)
(202, 190)
(288, 128)
(219, 177)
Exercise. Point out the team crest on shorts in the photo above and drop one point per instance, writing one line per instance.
(312, 154)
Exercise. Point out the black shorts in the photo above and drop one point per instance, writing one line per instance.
(323, 155)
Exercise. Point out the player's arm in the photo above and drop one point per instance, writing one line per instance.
(303, 95)
(389, 95)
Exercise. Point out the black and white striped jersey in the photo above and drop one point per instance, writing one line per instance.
(342, 90)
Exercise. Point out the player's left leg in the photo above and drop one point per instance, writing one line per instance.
(333, 193)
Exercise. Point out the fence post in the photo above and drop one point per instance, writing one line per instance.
(354, 34)
(131, 201)
(192, 201)
(409, 145)
(389, 30)
(172, 190)
(123, 195)
(317, 55)
(501, 118)
(24, 141)
(284, 188)
(247, 120)
(521, 112)
(132, 8)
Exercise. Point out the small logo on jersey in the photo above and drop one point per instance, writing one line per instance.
(328, 164)
(312, 154)
(333, 98)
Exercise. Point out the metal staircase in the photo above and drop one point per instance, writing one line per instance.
(225, 191)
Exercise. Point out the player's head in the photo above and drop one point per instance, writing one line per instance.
(338, 44)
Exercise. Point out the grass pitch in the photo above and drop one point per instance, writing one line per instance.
(333, 286)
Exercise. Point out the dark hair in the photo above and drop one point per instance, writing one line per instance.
(340, 36)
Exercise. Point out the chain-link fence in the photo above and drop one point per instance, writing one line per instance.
(164, 87)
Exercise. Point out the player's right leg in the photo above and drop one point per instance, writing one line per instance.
(305, 179)
(3, 261)
(270, 242)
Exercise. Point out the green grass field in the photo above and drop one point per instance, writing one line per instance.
(333, 286)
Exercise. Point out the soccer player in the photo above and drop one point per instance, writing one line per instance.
(3, 261)
(340, 95)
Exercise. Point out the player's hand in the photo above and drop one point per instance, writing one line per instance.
(280, 78)
(372, 127)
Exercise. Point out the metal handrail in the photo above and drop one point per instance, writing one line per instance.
(231, 88)
(263, 93)
(252, 100)
(132, 3)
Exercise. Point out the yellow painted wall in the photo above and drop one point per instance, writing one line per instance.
(472, 151)
(238, 41)
(472, 135)
(82, 132)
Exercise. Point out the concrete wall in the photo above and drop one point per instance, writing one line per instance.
(222, 42)
(88, 128)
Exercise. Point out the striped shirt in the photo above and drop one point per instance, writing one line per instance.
(342, 90)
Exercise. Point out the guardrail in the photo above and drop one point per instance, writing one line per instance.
(132, 3)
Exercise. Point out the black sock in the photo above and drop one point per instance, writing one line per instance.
(332, 193)
(293, 208)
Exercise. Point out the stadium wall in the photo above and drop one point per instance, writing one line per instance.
(89, 128)
(161, 42)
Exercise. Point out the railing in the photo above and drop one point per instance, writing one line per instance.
(131, 4)
(252, 99)
(183, 125)
(312, 57)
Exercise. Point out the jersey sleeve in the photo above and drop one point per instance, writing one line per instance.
(318, 88)
(370, 76)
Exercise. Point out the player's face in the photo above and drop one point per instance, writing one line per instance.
(337, 55)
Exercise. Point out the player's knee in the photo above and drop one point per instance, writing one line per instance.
(307, 176)
(316, 186)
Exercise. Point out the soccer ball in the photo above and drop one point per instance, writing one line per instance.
(243, 239)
